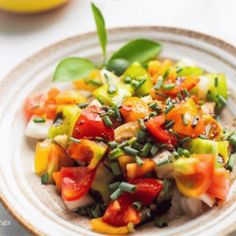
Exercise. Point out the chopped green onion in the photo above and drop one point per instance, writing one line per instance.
(114, 186)
(166, 185)
(113, 144)
(169, 107)
(145, 214)
(169, 124)
(44, 178)
(184, 120)
(142, 124)
(116, 194)
(138, 160)
(127, 79)
(184, 140)
(127, 187)
(117, 113)
(175, 154)
(137, 205)
(158, 84)
(131, 151)
(180, 151)
(137, 83)
(115, 168)
(231, 161)
(146, 149)
(39, 120)
(222, 100)
(186, 153)
(160, 222)
(132, 141)
(195, 121)
(75, 140)
(125, 143)
(163, 161)
(179, 95)
(165, 75)
(168, 86)
(96, 212)
(152, 114)
(83, 105)
(186, 92)
(216, 81)
(155, 106)
(115, 153)
(141, 136)
(107, 121)
(154, 150)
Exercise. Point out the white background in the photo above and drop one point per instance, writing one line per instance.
(21, 36)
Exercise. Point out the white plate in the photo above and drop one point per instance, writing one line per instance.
(38, 207)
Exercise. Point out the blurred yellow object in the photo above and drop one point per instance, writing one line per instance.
(30, 6)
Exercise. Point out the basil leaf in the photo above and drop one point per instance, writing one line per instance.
(137, 50)
(101, 28)
(72, 68)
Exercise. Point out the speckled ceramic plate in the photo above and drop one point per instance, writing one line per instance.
(38, 207)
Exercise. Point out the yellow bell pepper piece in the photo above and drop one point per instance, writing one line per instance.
(99, 226)
(41, 157)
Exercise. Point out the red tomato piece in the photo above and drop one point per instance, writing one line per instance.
(155, 127)
(91, 125)
(76, 181)
(120, 212)
(220, 184)
(146, 190)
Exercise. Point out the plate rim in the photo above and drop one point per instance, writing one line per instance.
(217, 41)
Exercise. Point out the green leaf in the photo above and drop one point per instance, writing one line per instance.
(139, 50)
(101, 28)
(72, 68)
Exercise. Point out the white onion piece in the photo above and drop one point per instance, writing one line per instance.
(83, 201)
(192, 207)
(202, 87)
(207, 199)
(37, 130)
(165, 171)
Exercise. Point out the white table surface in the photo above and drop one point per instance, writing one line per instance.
(21, 36)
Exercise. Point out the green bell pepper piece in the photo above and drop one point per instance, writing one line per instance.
(66, 118)
(136, 72)
(204, 146)
(122, 91)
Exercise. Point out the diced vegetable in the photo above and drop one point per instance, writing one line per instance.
(212, 87)
(99, 226)
(91, 125)
(107, 97)
(136, 171)
(126, 131)
(64, 121)
(133, 108)
(42, 152)
(38, 130)
(87, 152)
(76, 181)
(69, 97)
(121, 212)
(193, 175)
(101, 181)
(220, 184)
(139, 75)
